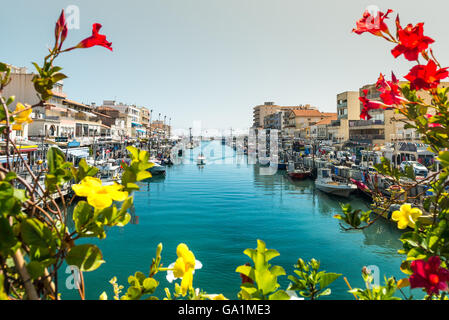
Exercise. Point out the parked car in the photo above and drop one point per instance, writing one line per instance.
(418, 168)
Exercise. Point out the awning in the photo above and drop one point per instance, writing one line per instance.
(3, 159)
(140, 130)
(135, 124)
(73, 143)
(27, 148)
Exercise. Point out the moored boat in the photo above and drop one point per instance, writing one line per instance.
(325, 183)
(157, 168)
(299, 174)
(201, 160)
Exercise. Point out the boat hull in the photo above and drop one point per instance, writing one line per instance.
(157, 170)
(299, 175)
(341, 191)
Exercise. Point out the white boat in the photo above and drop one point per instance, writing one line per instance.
(201, 160)
(157, 168)
(325, 183)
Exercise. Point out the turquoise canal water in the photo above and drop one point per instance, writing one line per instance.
(223, 208)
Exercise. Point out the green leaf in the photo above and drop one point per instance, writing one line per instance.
(83, 214)
(247, 271)
(35, 269)
(10, 176)
(279, 295)
(35, 233)
(3, 295)
(278, 271)
(270, 254)
(133, 293)
(150, 285)
(249, 288)
(325, 292)
(327, 278)
(142, 175)
(267, 282)
(58, 77)
(134, 152)
(7, 238)
(87, 257)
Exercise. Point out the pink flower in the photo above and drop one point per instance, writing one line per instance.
(429, 275)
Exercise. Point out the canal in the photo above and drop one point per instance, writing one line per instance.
(221, 209)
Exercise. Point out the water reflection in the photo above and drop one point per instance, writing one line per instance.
(384, 234)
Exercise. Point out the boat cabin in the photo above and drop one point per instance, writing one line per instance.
(324, 174)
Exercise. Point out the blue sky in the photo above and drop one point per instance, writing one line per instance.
(213, 60)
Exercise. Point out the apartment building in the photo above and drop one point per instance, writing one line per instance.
(348, 108)
(269, 108)
(22, 87)
(319, 130)
(385, 125)
(298, 122)
(144, 117)
(275, 120)
(132, 117)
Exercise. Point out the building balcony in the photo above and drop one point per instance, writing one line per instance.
(367, 138)
(366, 123)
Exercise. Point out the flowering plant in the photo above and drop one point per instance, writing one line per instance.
(424, 213)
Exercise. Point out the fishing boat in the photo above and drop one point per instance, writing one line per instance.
(325, 183)
(201, 160)
(299, 174)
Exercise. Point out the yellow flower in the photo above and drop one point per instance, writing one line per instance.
(217, 297)
(21, 117)
(406, 216)
(184, 267)
(99, 196)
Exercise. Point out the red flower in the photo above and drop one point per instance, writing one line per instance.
(371, 24)
(411, 42)
(432, 124)
(390, 92)
(426, 76)
(429, 275)
(61, 29)
(360, 185)
(96, 39)
(369, 105)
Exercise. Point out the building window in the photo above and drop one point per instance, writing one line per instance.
(79, 130)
